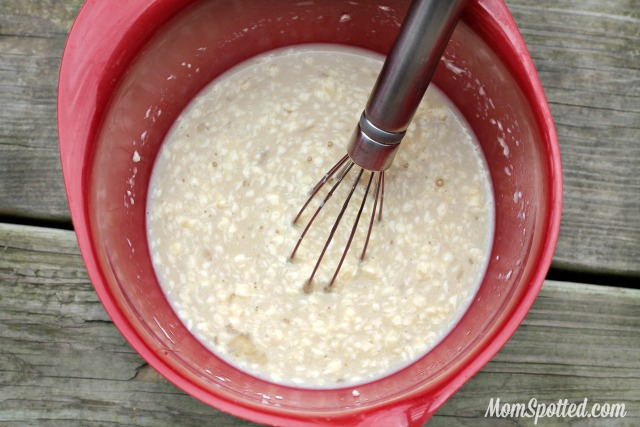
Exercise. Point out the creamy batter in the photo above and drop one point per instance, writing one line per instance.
(232, 174)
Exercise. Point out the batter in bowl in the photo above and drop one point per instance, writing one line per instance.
(232, 174)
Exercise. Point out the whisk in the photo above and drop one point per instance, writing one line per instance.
(401, 84)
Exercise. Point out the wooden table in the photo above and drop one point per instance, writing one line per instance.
(63, 363)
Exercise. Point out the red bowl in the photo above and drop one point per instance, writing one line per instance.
(115, 97)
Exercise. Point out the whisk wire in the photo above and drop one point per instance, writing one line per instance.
(315, 191)
(321, 184)
(381, 195)
(355, 224)
(342, 169)
(379, 188)
(309, 285)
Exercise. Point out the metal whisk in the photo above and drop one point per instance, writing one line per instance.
(400, 87)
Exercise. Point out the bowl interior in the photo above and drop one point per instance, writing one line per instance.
(167, 52)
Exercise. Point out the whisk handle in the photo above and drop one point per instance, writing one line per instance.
(404, 78)
(411, 63)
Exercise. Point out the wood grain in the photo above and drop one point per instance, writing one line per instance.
(587, 54)
(32, 37)
(63, 362)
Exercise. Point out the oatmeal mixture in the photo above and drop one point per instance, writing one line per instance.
(231, 176)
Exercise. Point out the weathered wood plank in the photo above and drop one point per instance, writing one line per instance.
(586, 53)
(578, 341)
(587, 56)
(63, 362)
(32, 37)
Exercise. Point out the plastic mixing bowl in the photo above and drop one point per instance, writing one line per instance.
(128, 70)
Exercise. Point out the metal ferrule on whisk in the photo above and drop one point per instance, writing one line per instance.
(372, 148)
